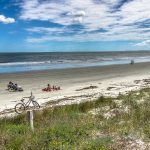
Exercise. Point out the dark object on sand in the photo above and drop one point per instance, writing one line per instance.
(109, 88)
(132, 62)
(14, 87)
(137, 81)
(86, 88)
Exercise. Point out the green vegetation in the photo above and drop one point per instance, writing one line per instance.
(93, 125)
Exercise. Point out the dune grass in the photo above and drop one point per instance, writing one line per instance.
(73, 127)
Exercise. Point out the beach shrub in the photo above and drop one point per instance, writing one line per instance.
(13, 129)
(98, 144)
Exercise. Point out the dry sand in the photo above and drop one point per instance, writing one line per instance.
(75, 83)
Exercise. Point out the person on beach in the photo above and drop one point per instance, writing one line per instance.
(132, 62)
(54, 87)
(14, 87)
(10, 85)
(48, 88)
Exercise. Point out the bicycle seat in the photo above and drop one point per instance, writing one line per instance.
(22, 100)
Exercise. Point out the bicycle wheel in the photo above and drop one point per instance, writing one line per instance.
(35, 104)
(19, 108)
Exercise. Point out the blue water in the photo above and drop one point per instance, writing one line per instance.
(20, 62)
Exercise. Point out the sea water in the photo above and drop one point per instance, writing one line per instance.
(21, 62)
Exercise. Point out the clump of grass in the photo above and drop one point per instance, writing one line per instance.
(100, 144)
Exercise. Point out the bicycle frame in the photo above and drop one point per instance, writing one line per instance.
(20, 107)
(31, 99)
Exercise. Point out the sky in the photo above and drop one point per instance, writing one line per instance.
(74, 25)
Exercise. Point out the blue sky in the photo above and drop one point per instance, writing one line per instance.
(74, 25)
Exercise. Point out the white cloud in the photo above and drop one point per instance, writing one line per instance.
(6, 20)
(120, 23)
(45, 30)
(144, 43)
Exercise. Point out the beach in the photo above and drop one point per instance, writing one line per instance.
(77, 84)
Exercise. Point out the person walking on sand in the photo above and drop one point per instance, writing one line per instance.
(132, 62)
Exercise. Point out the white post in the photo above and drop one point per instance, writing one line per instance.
(30, 119)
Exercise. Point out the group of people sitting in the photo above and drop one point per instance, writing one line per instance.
(14, 87)
(50, 88)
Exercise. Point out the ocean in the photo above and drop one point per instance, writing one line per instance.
(21, 62)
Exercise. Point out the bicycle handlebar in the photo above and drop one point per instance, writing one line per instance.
(27, 97)
(30, 97)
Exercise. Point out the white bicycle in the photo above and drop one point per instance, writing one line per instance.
(22, 106)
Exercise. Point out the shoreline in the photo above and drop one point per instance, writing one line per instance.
(108, 80)
(75, 68)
